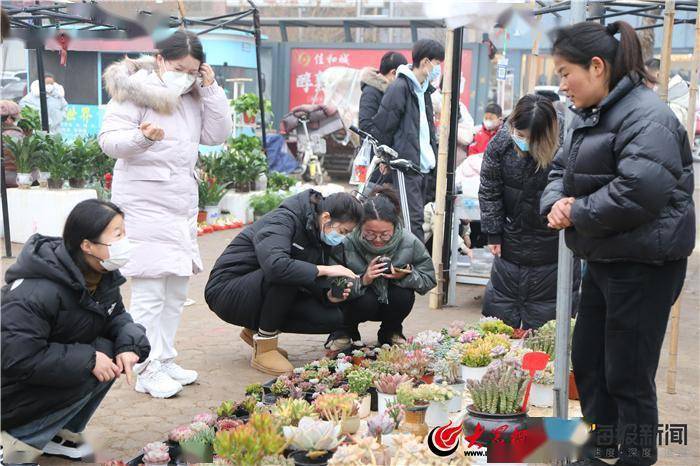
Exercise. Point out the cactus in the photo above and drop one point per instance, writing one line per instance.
(501, 391)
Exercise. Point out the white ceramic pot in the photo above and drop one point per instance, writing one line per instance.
(516, 342)
(542, 396)
(437, 414)
(365, 406)
(473, 373)
(382, 400)
(455, 404)
(213, 213)
(350, 425)
(24, 180)
(44, 179)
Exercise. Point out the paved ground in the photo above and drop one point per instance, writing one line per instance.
(128, 420)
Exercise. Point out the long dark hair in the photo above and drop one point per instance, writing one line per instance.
(536, 114)
(343, 207)
(87, 221)
(181, 44)
(382, 204)
(580, 42)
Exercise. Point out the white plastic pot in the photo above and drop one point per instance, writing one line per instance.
(455, 404)
(542, 396)
(473, 373)
(44, 179)
(516, 342)
(365, 407)
(382, 400)
(437, 414)
(24, 180)
(213, 213)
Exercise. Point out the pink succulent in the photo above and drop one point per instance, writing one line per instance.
(156, 453)
(469, 336)
(207, 418)
(180, 433)
(228, 424)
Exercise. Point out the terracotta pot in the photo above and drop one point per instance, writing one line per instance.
(55, 183)
(428, 378)
(414, 422)
(77, 183)
(202, 216)
(248, 119)
(357, 360)
(573, 390)
(489, 422)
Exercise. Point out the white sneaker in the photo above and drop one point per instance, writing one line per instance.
(154, 381)
(69, 445)
(177, 373)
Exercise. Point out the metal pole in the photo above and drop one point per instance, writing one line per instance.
(5, 209)
(256, 25)
(564, 284)
(41, 76)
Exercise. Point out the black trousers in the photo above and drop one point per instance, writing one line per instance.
(419, 191)
(617, 340)
(368, 308)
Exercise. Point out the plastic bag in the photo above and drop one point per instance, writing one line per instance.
(361, 163)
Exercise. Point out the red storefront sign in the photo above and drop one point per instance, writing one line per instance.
(308, 64)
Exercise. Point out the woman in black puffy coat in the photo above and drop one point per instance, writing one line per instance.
(522, 290)
(622, 188)
(66, 336)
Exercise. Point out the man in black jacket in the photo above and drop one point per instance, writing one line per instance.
(374, 84)
(405, 122)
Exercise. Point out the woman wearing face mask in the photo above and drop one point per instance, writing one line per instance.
(623, 189)
(162, 109)
(522, 290)
(271, 278)
(386, 296)
(66, 336)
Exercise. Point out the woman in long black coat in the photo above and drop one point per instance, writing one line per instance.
(271, 277)
(65, 333)
(523, 284)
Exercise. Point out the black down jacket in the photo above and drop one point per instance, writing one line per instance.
(285, 244)
(628, 164)
(373, 86)
(522, 290)
(398, 119)
(51, 328)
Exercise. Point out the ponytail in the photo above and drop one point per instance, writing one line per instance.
(342, 207)
(382, 204)
(580, 42)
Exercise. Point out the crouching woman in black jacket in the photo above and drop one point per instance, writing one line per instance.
(270, 277)
(65, 334)
(623, 190)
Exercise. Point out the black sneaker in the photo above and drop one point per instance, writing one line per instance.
(589, 462)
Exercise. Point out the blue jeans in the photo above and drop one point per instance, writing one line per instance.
(74, 418)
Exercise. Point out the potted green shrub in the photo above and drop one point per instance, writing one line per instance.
(277, 181)
(497, 400)
(27, 152)
(29, 120)
(248, 105)
(83, 155)
(386, 388)
(210, 193)
(264, 203)
(244, 161)
(56, 158)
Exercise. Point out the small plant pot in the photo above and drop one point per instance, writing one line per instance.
(248, 119)
(473, 373)
(365, 406)
(357, 360)
(269, 399)
(383, 399)
(243, 187)
(300, 459)
(44, 179)
(428, 378)
(491, 422)
(385, 260)
(573, 390)
(516, 342)
(213, 213)
(455, 404)
(414, 422)
(542, 396)
(374, 399)
(350, 425)
(77, 183)
(55, 183)
(338, 286)
(24, 180)
(197, 453)
(437, 414)
(201, 216)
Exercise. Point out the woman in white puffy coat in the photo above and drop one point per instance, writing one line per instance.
(162, 109)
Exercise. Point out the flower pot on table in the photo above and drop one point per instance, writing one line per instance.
(77, 183)
(24, 180)
(414, 421)
(55, 183)
(541, 395)
(437, 414)
(490, 422)
(473, 373)
(573, 390)
(383, 399)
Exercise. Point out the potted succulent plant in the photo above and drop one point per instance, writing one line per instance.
(497, 400)
(387, 261)
(543, 340)
(447, 368)
(386, 388)
(340, 284)
(156, 454)
(314, 441)
(358, 356)
(415, 409)
(359, 381)
(256, 390)
(250, 443)
(341, 408)
(231, 410)
(197, 447)
(542, 391)
(495, 325)
(479, 353)
(290, 411)
(380, 425)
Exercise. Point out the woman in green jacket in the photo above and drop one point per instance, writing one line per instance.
(385, 296)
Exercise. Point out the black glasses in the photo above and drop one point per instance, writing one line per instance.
(369, 236)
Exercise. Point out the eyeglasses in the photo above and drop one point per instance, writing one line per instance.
(372, 236)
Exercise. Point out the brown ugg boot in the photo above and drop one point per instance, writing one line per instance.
(266, 357)
(17, 452)
(247, 337)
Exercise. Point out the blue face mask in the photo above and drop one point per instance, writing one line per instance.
(522, 143)
(435, 74)
(333, 238)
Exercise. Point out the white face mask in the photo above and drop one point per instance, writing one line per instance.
(119, 255)
(49, 88)
(490, 124)
(178, 81)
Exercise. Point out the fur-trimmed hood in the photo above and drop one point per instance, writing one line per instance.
(135, 80)
(371, 77)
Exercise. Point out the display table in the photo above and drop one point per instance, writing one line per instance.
(40, 210)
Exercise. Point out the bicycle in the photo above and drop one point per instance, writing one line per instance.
(311, 165)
